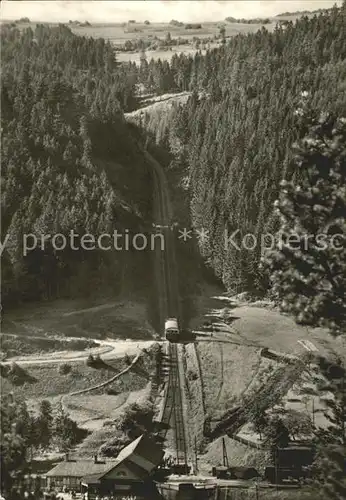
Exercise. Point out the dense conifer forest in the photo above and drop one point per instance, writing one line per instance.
(234, 145)
(68, 162)
(71, 162)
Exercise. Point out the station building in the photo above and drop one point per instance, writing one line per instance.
(129, 474)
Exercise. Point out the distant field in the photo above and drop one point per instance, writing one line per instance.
(164, 55)
(119, 34)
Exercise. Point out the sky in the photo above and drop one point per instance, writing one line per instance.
(153, 10)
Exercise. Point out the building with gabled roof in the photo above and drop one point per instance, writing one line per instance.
(70, 472)
(130, 472)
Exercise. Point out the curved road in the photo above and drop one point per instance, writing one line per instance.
(110, 349)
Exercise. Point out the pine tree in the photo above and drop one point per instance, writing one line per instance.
(308, 265)
(310, 280)
(277, 436)
(45, 423)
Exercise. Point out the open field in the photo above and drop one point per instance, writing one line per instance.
(13, 345)
(164, 55)
(103, 430)
(99, 318)
(94, 411)
(49, 383)
(47, 380)
(118, 34)
(91, 411)
(238, 453)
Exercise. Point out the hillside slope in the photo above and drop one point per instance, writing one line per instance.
(222, 377)
(233, 146)
(70, 165)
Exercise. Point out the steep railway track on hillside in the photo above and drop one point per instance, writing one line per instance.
(166, 268)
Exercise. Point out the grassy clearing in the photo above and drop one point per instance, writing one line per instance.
(92, 411)
(238, 454)
(97, 318)
(104, 433)
(225, 380)
(164, 55)
(49, 383)
(16, 345)
(155, 115)
(269, 328)
(118, 34)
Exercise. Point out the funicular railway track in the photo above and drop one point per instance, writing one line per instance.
(172, 414)
(173, 408)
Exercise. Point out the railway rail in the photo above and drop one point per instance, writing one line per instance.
(172, 414)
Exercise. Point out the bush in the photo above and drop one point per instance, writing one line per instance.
(64, 369)
(4, 370)
(137, 419)
(174, 22)
(127, 359)
(111, 392)
(192, 375)
(90, 361)
(190, 26)
(112, 447)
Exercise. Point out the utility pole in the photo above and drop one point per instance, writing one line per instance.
(277, 469)
(196, 457)
(257, 494)
(224, 453)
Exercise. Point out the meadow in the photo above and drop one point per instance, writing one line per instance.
(119, 33)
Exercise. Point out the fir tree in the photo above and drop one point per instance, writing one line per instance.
(308, 265)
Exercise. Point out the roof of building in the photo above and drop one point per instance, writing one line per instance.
(80, 468)
(145, 447)
(141, 457)
(92, 479)
(95, 479)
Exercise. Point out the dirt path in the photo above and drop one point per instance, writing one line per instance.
(92, 309)
(110, 349)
